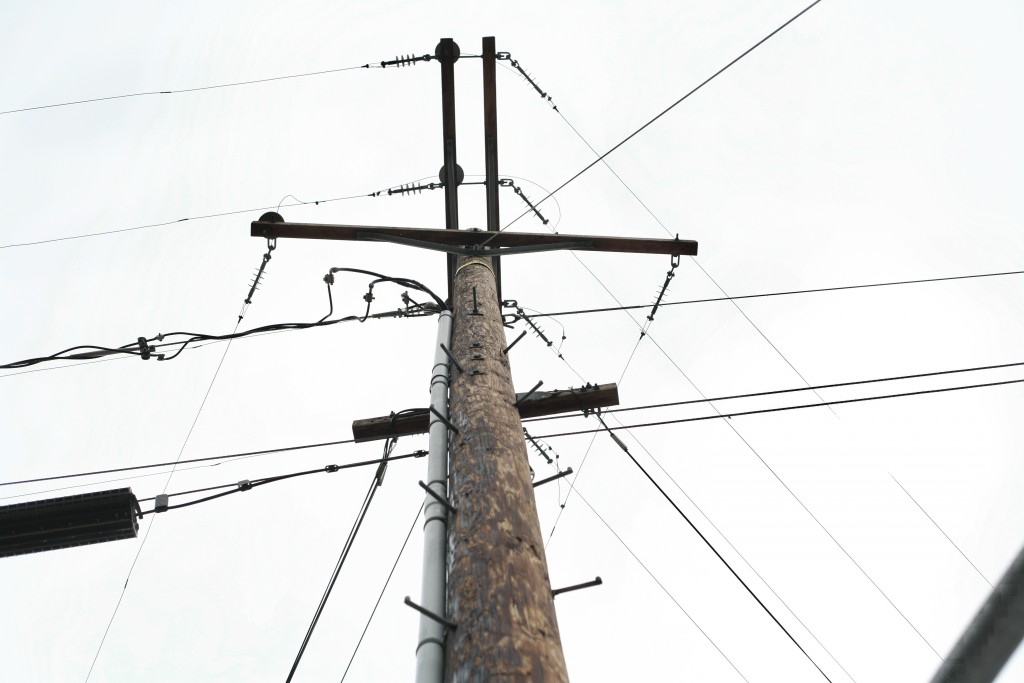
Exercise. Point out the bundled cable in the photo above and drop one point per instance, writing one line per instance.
(146, 349)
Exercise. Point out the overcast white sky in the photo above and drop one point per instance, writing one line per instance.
(867, 142)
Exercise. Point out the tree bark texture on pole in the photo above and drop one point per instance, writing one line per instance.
(499, 592)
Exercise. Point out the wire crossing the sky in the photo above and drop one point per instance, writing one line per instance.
(704, 538)
(775, 392)
(375, 484)
(785, 408)
(180, 91)
(667, 110)
(637, 307)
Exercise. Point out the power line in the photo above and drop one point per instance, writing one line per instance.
(187, 90)
(277, 207)
(775, 392)
(669, 108)
(736, 550)
(704, 538)
(143, 349)
(644, 330)
(692, 258)
(661, 585)
(771, 294)
(792, 494)
(245, 485)
(149, 529)
(374, 485)
(784, 408)
(245, 454)
(380, 597)
(174, 222)
(936, 524)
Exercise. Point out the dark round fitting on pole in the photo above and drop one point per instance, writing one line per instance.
(459, 175)
(447, 51)
(271, 217)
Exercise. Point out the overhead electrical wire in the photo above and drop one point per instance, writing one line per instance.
(380, 597)
(375, 484)
(693, 259)
(785, 408)
(772, 294)
(172, 222)
(245, 485)
(660, 585)
(408, 312)
(188, 90)
(732, 427)
(943, 532)
(644, 331)
(708, 543)
(170, 474)
(177, 221)
(775, 392)
(538, 314)
(145, 350)
(666, 110)
(572, 489)
(245, 454)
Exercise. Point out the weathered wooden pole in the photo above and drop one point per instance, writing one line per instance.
(499, 593)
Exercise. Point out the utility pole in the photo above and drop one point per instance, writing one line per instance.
(497, 620)
(499, 591)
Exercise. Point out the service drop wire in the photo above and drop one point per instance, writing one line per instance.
(621, 444)
(246, 485)
(145, 348)
(375, 484)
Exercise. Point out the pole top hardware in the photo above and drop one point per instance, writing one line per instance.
(460, 175)
(447, 51)
(459, 240)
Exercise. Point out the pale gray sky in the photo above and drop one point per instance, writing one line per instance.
(867, 142)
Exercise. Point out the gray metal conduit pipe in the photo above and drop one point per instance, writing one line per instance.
(430, 647)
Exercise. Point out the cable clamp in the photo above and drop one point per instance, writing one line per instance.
(244, 485)
(161, 502)
(438, 497)
(144, 348)
(331, 468)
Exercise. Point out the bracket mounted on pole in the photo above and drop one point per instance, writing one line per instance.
(430, 238)
(539, 404)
